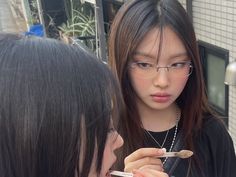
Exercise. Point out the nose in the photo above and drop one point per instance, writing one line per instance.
(119, 142)
(161, 79)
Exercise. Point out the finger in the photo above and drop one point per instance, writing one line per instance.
(153, 167)
(149, 173)
(144, 152)
(139, 174)
(143, 162)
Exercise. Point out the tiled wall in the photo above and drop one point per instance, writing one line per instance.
(183, 2)
(215, 23)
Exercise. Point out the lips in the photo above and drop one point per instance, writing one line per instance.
(161, 97)
(108, 174)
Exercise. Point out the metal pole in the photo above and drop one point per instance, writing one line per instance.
(100, 30)
(40, 12)
(189, 6)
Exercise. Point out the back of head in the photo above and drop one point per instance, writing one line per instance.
(56, 105)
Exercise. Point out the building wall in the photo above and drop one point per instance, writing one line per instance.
(215, 23)
(183, 2)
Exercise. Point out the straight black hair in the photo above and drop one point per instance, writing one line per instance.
(57, 102)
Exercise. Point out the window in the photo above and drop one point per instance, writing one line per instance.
(215, 60)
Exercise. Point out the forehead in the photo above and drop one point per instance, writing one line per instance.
(168, 43)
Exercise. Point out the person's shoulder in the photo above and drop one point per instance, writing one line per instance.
(216, 145)
(214, 139)
(215, 131)
(213, 124)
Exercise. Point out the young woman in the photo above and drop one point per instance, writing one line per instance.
(57, 106)
(153, 52)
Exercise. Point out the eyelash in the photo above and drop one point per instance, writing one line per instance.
(146, 64)
(111, 130)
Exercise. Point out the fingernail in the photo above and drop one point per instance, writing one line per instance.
(164, 149)
(161, 151)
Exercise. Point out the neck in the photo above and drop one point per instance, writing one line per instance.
(158, 120)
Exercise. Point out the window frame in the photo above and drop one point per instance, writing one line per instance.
(204, 49)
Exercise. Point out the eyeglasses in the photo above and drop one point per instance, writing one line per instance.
(145, 69)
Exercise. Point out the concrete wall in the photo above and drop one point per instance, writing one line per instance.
(17, 12)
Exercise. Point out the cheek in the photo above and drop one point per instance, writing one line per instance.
(106, 153)
(180, 85)
(139, 84)
(93, 171)
(110, 146)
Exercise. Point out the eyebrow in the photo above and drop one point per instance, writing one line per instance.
(145, 55)
(184, 54)
(153, 57)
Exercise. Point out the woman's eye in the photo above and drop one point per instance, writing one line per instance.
(112, 134)
(111, 130)
(144, 65)
(178, 65)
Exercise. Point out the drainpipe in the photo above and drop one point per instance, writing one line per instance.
(189, 6)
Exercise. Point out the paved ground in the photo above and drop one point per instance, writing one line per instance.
(9, 20)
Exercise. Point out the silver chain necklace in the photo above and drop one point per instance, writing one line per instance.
(161, 146)
(174, 137)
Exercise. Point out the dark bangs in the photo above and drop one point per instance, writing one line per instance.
(102, 102)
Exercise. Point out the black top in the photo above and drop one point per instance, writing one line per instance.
(160, 138)
(214, 148)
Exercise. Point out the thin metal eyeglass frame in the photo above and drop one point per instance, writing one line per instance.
(169, 66)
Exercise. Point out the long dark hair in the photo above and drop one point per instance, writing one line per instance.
(131, 24)
(55, 98)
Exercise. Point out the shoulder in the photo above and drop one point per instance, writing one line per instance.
(214, 134)
(213, 125)
(214, 144)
